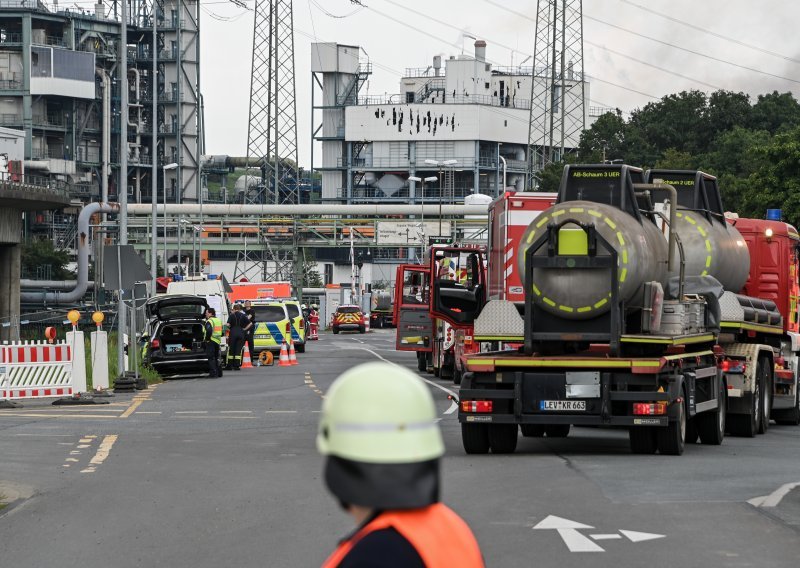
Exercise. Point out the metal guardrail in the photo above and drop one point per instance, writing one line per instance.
(449, 98)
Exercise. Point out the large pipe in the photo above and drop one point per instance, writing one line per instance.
(82, 284)
(106, 144)
(50, 284)
(310, 209)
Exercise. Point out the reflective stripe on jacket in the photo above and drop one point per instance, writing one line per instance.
(216, 326)
(440, 537)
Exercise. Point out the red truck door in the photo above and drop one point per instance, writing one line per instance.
(458, 285)
(412, 308)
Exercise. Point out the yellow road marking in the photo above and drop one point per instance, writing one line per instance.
(102, 453)
(132, 408)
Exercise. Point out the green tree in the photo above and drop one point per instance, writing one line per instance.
(41, 253)
(550, 177)
(676, 160)
(776, 183)
(607, 132)
(775, 112)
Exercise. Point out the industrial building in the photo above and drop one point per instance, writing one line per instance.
(59, 84)
(461, 119)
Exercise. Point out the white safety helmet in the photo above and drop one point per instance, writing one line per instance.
(378, 430)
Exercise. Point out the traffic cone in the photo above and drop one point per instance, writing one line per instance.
(283, 361)
(246, 362)
(292, 354)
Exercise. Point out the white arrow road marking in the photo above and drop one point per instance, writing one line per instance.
(605, 536)
(635, 536)
(774, 498)
(568, 531)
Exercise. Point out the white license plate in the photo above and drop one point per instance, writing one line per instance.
(575, 405)
(261, 337)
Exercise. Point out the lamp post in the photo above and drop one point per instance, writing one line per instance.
(441, 164)
(195, 255)
(171, 166)
(422, 182)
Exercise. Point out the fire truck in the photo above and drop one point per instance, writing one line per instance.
(447, 347)
(645, 307)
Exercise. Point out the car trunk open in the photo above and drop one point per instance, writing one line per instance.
(181, 338)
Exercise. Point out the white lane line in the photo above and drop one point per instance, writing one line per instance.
(191, 412)
(774, 498)
(453, 405)
(236, 412)
(280, 412)
(149, 412)
(606, 536)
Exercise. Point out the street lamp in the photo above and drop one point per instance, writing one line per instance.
(422, 182)
(441, 164)
(171, 166)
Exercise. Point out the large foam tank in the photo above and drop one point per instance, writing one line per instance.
(584, 293)
(711, 248)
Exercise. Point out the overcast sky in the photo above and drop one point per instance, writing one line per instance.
(622, 66)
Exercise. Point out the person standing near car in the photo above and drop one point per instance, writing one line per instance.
(212, 338)
(251, 317)
(238, 325)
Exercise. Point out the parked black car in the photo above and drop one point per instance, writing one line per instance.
(173, 341)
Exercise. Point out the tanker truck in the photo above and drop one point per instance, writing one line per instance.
(646, 309)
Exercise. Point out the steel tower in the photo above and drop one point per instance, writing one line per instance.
(557, 89)
(272, 128)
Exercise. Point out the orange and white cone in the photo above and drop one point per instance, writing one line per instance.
(247, 363)
(292, 354)
(283, 361)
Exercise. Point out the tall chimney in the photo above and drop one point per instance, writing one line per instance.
(437, 65)
(480, 50)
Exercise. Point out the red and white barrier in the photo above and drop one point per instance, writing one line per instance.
(35, 370)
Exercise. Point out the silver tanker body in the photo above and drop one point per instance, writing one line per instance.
(709, 248)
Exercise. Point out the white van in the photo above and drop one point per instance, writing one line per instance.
(212, 290)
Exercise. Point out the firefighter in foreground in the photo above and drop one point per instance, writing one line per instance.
(383, 447)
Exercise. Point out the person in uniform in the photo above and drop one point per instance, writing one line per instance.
(238, 325)
(382, 449)
(212, 338)
(250, 336)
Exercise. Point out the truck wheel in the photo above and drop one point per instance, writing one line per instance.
(748, 425)
(475, 438)
(456, 377)
(422, 364)
(643, 440)
(765, 370)
(503, 438)
(711, 424)
(532, 430)
(790, 417)
(446, 372)
(335, 330)
(691, 431)
(557, 430)
(671, 439)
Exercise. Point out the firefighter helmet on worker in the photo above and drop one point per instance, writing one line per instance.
(379, 433)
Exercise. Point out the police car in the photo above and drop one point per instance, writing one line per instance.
(273, 325)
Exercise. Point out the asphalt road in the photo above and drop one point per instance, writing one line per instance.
(210, 473)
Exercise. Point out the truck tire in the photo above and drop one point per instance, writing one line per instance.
(503, 438)
(691, 431)
(456, 377)
(671, 439)
(711, 424)
(748, 425)
(557, 430)
(475, 438)
(765, 370)
(531, 430)
(446, 372)
(643, 440)
(335, 330)
(791, 416)
(422, 363)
